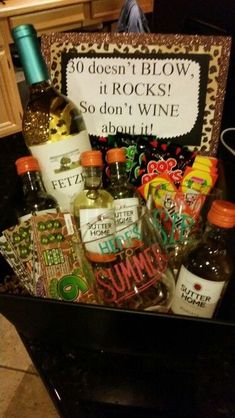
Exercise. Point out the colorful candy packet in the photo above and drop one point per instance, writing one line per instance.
(179, 208)
(159, 157)
(201, 177)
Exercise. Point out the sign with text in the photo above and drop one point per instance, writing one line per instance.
(164, 85)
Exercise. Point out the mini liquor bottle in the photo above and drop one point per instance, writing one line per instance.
(94, 210)
(206, 270)
(35, 199)
(127, 201)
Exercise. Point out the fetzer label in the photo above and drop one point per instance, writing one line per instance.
(61, 167)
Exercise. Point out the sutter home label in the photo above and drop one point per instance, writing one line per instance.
(126, 212)
(195, 296)
(97, 226)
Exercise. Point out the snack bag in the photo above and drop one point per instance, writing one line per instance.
(162, 158)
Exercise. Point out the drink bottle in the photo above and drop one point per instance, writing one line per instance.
(206, 270)
(127, 202)
(94, 210)
(35, 199)
(53, 127)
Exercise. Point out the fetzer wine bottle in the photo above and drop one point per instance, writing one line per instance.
(53, 127)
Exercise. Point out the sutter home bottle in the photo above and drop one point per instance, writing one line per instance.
(35, 199)
(127, 202)
(94, 210)
(205, 272)
(53, 127)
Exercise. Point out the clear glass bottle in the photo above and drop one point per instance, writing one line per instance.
(53, 127)
(35, 199)
(94, 210)
(127, 201)
(206, 270)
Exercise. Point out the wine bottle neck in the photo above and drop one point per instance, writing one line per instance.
(32, 182)
(92, 178)
(34, 66)
(216, 234)
(118, 172)
(40, 87)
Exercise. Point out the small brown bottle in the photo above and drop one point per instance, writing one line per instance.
(35, 200)
(205, 272)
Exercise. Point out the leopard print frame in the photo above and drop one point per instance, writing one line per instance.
(217, 47)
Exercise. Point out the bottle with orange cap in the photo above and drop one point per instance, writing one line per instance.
(206, 271)
(127, 201)
(35, 198)
(93, 209)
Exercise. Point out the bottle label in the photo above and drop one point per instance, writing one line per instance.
(61, 168)
(40, 212)
(97, 229)
(195, 296)
(126, 212)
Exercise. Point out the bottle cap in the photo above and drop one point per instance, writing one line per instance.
(21, 31)
(92, 158)
(25, 164)
(28, 47)
(116, 155)
(222, 214)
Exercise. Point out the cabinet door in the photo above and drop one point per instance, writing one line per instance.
(10, 109)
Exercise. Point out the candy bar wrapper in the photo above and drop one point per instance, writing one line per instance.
(8, 252)
(201, 177)
(159, 157)
(64, 279)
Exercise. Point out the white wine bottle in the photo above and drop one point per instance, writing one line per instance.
(53, 127)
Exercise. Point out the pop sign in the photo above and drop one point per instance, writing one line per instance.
(171, 86)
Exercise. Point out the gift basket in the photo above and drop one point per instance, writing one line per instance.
(120, 255)
(112, 224)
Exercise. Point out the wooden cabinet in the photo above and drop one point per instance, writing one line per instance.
(59, 19)
(11, 109)
(47, 16)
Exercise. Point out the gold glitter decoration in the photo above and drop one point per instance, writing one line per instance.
(218, 47)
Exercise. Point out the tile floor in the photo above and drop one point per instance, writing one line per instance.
(22, 393)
